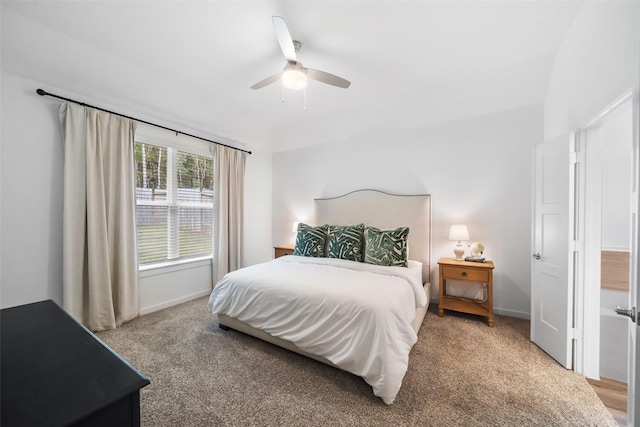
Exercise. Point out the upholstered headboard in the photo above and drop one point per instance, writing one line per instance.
(384, 211)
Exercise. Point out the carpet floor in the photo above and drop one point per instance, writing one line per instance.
(461, 373)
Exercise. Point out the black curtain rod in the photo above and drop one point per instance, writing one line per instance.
(42, 92)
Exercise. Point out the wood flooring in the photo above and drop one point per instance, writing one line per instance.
(615, 270)
(614, 396)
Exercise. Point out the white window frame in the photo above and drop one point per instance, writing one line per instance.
(153, 136)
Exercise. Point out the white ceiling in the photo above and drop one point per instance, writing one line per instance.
(190, 64)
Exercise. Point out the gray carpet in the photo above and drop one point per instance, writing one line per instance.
(461, 373)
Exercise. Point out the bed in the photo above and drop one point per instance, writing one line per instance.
(357, 316)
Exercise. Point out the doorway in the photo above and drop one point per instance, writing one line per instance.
(608, 143)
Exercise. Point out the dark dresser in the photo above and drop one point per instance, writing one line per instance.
(55, 372)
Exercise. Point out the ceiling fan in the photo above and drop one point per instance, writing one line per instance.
(294, 75)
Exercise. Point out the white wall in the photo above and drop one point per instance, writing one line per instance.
(597, 62)
(617, 141)
(257, 209)
(31, 198)
(167, 286)
(477, 170)
(31, 173)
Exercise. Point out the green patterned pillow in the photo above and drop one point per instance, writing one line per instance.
(345, 242)
(310, 241)
(386, 247)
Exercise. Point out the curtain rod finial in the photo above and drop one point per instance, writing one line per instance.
(41, 92)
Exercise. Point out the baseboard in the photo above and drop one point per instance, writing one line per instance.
(171, 303)
(512, 313)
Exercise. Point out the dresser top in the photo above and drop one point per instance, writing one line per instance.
(54, 371)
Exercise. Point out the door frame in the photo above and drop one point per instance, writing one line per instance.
(587, 291)
(633, 397)
(589, 226)
(588, 231)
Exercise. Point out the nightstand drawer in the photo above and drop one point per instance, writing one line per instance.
(283, 250)
(457, 273)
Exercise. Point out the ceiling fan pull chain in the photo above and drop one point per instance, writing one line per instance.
(305, 98)
(282, 93)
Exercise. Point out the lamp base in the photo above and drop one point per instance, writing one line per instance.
(459, 251)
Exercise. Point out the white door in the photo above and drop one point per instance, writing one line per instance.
(633, 401)
(552, 288)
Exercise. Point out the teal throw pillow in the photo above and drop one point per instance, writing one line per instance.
(345, 242)
(310, 241)
(386, 247)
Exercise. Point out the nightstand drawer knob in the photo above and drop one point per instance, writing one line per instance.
(464, 274)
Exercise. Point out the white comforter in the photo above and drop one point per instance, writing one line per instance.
(356, 315)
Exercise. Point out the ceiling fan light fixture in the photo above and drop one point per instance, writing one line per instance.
(294, 79)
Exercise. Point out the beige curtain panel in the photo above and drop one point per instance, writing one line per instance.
(228, 210)
(100, 265)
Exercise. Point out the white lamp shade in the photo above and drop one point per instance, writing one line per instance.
(458, 232)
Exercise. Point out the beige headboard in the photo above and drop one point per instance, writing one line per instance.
(384, 211)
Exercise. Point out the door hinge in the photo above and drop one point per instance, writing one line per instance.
(576, 334)
(576, 157)
(576, 245)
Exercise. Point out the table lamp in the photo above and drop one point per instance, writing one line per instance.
(458, 232)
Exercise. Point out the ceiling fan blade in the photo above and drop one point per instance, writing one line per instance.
(327, 78)
(267, 81)
(284, 38)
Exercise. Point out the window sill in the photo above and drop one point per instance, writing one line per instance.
(169, 267)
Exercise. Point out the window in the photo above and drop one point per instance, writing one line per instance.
(174, 204)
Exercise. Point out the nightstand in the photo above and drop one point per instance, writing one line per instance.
(466, 272)
(283, 250)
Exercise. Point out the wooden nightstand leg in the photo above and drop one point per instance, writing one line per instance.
(490, 321)
(440, 312)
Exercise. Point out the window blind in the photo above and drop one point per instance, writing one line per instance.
(174, 197)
